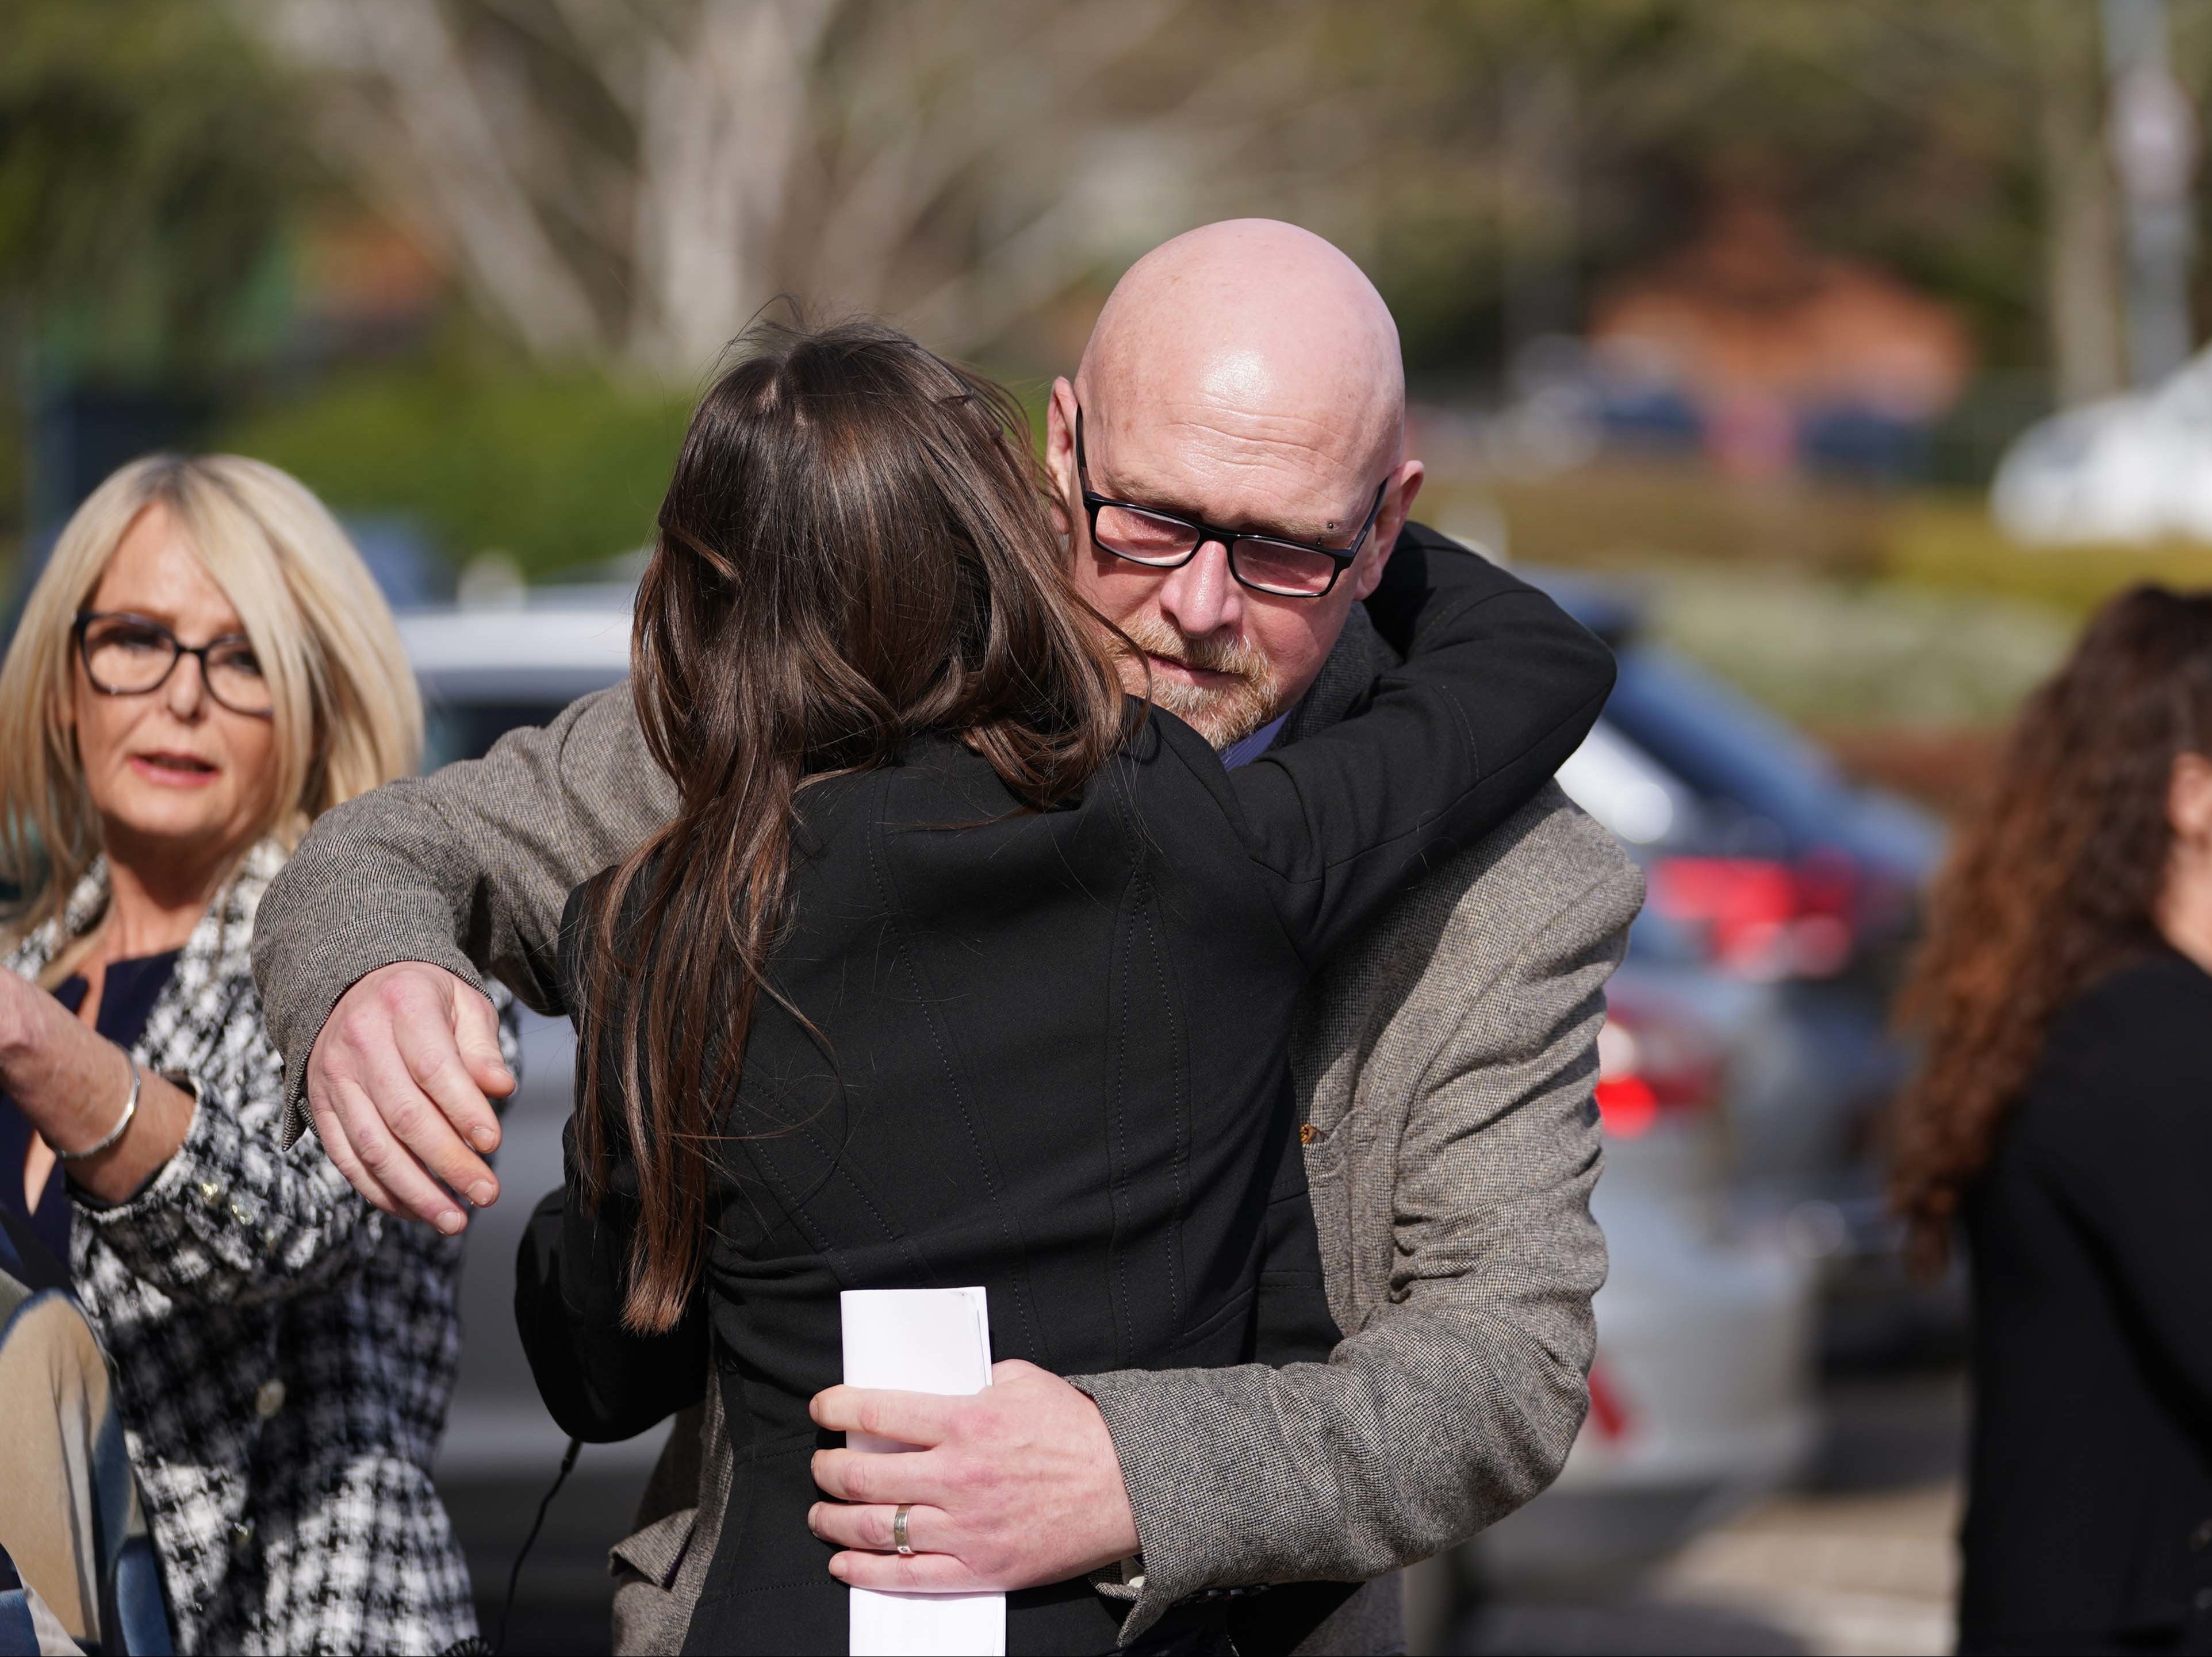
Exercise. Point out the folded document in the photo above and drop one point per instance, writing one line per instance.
(919, 1340)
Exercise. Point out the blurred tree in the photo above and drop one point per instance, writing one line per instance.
(556, 471)
(146, 169)
(1524, 151)
(146, 163)
(2080, 212)
(631, 179)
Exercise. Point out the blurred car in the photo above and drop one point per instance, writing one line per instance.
(483, 671)
(1744, 1060)
(1703, 1391)
(1784, 899)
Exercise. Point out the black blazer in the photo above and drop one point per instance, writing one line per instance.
(1052, 1061)
(2089, 1517)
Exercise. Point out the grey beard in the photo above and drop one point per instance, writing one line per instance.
(1224, 715)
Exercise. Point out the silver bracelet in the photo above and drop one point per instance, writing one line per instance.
(130, 1110)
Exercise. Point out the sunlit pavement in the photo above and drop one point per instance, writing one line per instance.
(1862, 1560)
(1842, 1573)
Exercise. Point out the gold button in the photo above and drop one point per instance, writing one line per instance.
(1308, 1133)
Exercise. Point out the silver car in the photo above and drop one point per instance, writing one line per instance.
(485, 671)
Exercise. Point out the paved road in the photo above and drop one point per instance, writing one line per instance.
(1860, 1560)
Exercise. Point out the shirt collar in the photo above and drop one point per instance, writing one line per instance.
(1245, 749)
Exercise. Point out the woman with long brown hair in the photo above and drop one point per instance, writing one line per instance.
(958, 965)
(2065, 1114)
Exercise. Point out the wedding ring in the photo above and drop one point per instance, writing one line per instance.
(898, 1529)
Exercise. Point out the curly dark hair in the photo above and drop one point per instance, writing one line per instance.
(2052, 885)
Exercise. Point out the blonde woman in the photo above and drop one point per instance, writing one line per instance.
(205, 667)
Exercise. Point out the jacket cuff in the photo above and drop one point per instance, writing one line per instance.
(189, 1211)
(1167, 1496)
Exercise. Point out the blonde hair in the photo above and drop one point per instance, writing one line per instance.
(345, 711)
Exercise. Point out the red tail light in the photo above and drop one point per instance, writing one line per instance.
(1650, 1061)
(1607, 1413)
(1763, 919)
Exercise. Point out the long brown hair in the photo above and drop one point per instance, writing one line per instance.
(856, 549)
(2052, 884)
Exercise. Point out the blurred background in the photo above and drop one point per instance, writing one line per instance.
(1831, 359)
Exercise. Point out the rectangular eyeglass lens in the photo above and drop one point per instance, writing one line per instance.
(125, 657)
(235, 676)
(1142, 535)
(1283, 569)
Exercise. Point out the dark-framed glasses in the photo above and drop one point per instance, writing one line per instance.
(1168, 540)
(127, 655)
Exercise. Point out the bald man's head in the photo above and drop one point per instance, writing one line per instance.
(1248, 374)
(1252, 333)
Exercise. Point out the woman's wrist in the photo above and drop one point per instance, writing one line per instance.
(20, 1021)
(127, 1114)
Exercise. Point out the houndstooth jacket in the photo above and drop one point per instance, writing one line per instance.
(282, 1354)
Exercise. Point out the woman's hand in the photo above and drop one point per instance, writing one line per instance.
(73, 1083)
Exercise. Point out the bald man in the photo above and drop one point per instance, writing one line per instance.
(1242, 388)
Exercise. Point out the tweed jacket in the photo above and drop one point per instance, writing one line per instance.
(1454, 1051)
(282, 1354)
(1445, 1063)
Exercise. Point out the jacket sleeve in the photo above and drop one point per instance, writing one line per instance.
(231, 1219)
(466, 869)
(1498, 688)
(2121, 1136)
(1458, 1394)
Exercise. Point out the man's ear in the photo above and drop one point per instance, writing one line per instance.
(1397, 507)
(1060, 448)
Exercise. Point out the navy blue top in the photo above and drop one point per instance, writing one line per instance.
(133, 986)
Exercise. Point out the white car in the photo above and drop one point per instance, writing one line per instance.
(2136, 468)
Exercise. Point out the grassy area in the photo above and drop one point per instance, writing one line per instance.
(1846, 610)
(556, 471)
(1951, 545)
(1829, 652)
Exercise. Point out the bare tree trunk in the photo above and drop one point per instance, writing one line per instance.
(2080, 271)
(443, 159)
(723, 120)
(1538, 227)
(933, 159)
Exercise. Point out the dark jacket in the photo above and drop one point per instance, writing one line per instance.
(1052, 1060)
(2089, 1515)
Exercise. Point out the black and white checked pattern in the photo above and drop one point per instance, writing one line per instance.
(283, 1353)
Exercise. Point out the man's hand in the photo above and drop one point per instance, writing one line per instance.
(397, 1078)
(1015, 1485)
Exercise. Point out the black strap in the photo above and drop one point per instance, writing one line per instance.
(476, 1645)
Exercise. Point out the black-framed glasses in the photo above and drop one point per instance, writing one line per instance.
(1168, 540)
(127, 655)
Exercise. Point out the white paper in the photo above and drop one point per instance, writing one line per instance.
(919, 1340)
